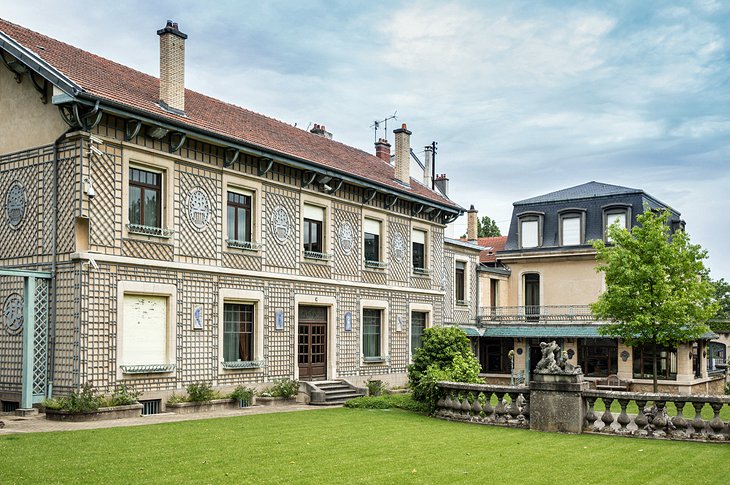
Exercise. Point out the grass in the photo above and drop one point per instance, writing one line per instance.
(348, 446)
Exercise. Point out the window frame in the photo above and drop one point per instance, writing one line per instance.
(250, 350)
(425, 308)
(462, 288)
(145, 159)
(245, 297)
(143, 188)
(308, 225)
(425, 269)
(247, 210)
(611, 209)
(530, 216)
(642, 357)
(324, 255)
(505, 344)
(382, 307)
(586, 351)
(233, 183)
(572, 213)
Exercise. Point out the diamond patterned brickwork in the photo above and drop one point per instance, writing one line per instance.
(374, 277)
(197, 349)
(316, 270)
(437, 257)
(348, 348)
(279, 345)
(347, 265)
(280, 257)
(241, 261)
(41, 337)
(198, 246)
(147, 249)
(11, 343)
(105, 224)
(400, 271)
(449, 289)
(68, 187)
(66, 358)
(99, 325)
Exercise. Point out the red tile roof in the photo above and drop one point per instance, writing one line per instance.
(491, 245)
(135, 90)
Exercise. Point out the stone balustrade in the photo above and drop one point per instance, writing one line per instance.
(484, 404)
(666, 416)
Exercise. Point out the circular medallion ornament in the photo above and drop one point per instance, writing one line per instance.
(13, 313)
(15, 204)
(399, 247)
(279, 224)
(198, 209)
(347, 238)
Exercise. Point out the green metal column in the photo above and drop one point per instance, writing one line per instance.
(26, 401)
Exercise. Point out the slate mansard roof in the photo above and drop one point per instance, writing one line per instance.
(590, 198)
(86, 76)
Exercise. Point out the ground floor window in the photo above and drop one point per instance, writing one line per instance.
(666, 362)
(371, 332)
(598, 357)
(418, 325)
(494, 355)
(238, 332)
(144, 335)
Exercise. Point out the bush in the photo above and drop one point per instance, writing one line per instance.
(445, 356)
(284, 388)
(123, 395)
(86, 400)
(388, 401)
(242, 393)
(201, 392)
(376, 387)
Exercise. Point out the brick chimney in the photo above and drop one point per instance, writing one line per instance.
(472, 231)
(172, 67)
(382, 150)
(442, 183)
(403, 154)
(321, 131)
(428, 165)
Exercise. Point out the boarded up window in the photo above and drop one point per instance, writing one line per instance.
(144, 336)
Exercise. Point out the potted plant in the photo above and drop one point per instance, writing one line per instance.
(244, 396)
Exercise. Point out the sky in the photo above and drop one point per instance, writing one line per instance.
(523, 97)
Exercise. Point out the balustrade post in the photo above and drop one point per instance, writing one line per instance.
(476, 408)
(698, 424)
(590, 417)
(623, 418)
(680, 424)
(660, 420)
(607, 417)
(514, 409)
(488, 408)
(716, 423)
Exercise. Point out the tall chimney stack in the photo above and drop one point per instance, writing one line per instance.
(403, 154)
(382, 150)
(172, 68)
(428, 164)
(472, 225)
(441, 182)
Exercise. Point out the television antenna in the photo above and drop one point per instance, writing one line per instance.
(376, 125)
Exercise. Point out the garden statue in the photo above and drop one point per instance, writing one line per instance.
(555, 362)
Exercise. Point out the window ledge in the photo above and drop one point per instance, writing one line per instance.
(243, 364)
(379, 359)
(376, 264)
(317, 256)
(148, 368)
(245, 245)
(421, 272)
(150, 231)
(462, 302)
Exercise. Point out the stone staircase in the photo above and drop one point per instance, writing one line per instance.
(332, 393)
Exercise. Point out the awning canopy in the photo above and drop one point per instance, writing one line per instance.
(589, 331)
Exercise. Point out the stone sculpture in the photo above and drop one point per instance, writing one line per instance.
(555, 362)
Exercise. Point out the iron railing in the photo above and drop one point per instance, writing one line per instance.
(247, 245)
(376, 264)
(318, 256)
(535, 313)
(150, 230)
(422, 271)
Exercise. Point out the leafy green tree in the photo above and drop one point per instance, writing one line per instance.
(486, 227)
(657, 292)
(722, 297)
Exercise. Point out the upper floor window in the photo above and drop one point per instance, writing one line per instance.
(313, 229)
(611, 215)
(239, 217)
(372, 240)
(419, 249)
(571, 229)
(530, 230)
(145, 198)
(460, 282)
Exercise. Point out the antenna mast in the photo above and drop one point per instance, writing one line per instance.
(376, 125)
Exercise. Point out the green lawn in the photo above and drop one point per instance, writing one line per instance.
(349, 445)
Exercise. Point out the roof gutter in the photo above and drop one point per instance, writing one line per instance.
(250, 148)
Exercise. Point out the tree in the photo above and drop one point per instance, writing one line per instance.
(486, 227)
(722, 297)
(657, 290)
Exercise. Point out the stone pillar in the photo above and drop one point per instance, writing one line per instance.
(556, 402)
(625, 366)
(519, 357)
(685, 373)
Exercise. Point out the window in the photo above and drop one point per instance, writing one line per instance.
(145, 198)
(239, 217)
(611, 215)
(372, 242)
(494, 292)
(598, 357)
(238, 332)
(494, 355)
(313, 230)
(460, 282)
(530, 229)
(371, 333)
(532, 297)
(666, 362)
(418, 325)
(571, 231)
(419, 250)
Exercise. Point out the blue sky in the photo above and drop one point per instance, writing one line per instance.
(523, 98)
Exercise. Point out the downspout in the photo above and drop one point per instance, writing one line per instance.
(54, 266)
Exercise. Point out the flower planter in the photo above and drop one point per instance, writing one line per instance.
(275, 401)
(202, 407)
(116, 412)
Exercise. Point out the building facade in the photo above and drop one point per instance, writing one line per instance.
(191, 240)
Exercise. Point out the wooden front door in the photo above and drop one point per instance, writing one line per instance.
(312, 345)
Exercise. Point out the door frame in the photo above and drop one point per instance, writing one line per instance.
(325, 301)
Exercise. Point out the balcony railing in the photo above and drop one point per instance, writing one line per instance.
(535, 313)
(317, 256)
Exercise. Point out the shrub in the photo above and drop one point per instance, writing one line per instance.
(123, 395)
(445, 356)
(201, 392)
(376, 387)
(86, 400)
(285, 388)
(242, 393)
(388, 401)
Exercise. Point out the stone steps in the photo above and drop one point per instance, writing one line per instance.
(332, 393)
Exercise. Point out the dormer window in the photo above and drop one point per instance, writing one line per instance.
(530, 230)
(620, 214)
(572, 227)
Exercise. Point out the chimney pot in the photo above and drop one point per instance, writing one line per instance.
(428, 165)
(172, 68)
(382, 150)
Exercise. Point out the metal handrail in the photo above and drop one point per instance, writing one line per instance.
(150, 230)
(318, 256)
(247, 245)
(535, 313)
